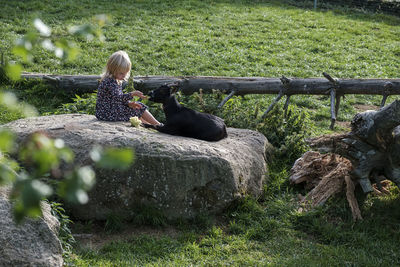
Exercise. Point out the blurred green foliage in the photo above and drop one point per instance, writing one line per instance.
(40, 157)
(41, 36)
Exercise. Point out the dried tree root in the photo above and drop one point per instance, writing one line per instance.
(351, 198)
(327, 175)
(311, 167)
(370, 151)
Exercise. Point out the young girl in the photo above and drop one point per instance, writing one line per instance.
(114, 105)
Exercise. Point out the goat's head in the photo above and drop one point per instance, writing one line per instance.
(162, 93)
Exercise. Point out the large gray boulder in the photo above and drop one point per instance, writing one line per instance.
(180, 176)
(33, 243)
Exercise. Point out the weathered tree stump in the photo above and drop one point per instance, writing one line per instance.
(371, 151)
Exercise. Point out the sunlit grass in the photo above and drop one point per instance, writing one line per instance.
(220, 38)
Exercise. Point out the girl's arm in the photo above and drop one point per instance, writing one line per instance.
(134, 105)
(139, 94)
(116, 93)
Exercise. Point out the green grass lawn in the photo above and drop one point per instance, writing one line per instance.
(234, 38)
(226, 38)
(219, 38)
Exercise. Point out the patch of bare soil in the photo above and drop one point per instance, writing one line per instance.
(343, 124)
(362, 108)
(94, 236)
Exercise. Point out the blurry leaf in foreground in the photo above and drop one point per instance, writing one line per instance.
(38, 153)
(20, 49)
(28, 110)
(13, 71)
(6, 141)
(66, 50)
(27, 194)
(86, 177)
(10, 101)
(8, 167)
(112, 158)
(87, 31)
(64, 153)
(48, 44)
(44, 154)
(7, 174)
(102, 19)
(90, 31)
(24, 45)
(43, 29)
(74, 187)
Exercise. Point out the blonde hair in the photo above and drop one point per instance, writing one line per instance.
(118, 62)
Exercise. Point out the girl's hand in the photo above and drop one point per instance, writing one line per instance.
(134, 105)
(138, 94)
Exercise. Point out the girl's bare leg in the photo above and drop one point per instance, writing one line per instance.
(143, 120)
(148, 118)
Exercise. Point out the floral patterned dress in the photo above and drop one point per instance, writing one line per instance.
(112, 103)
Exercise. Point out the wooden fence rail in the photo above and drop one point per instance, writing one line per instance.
(335, 88)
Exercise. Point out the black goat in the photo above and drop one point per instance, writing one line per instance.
(184, 121)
